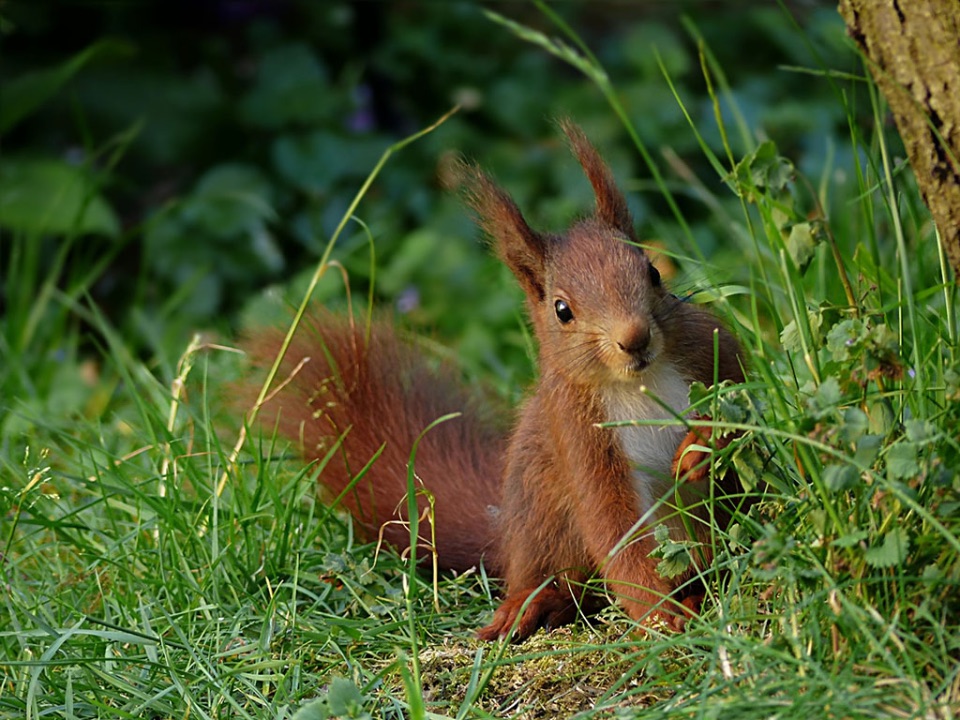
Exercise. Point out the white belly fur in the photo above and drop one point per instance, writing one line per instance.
(651, 448)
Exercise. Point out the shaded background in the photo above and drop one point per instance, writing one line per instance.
(221, 143)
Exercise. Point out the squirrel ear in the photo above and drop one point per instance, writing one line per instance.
(522, 249)
(611, 204)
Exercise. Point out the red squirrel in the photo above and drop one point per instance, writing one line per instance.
(552, 502)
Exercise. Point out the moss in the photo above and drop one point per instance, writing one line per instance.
(552, 674)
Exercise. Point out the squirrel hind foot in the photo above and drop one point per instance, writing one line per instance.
(690, 608)
(552, 607)
(671, 615)
(522, 613)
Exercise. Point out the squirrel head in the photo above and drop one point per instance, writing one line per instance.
(595, 299)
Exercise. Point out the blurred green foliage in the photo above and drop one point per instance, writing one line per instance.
(254, 124)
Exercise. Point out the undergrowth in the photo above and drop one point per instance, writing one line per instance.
(153, 565)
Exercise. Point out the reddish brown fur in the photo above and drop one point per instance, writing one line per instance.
(384, 392)
(571, 491)
(568, 499)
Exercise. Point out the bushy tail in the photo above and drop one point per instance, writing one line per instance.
(383, 392)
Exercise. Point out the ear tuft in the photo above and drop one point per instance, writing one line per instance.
(611, 204)
(522, 249)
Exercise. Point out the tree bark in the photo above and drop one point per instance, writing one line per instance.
(913, 48)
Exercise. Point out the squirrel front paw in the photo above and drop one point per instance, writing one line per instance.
(547, 607)
(692, 464)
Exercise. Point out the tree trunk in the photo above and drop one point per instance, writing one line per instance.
(913, 48)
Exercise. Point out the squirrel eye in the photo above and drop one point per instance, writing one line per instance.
(564, 313)
(654, 275)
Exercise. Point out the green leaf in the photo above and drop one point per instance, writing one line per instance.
(882, 339)
(801, 243)
(948, 509)
(666, 46)
(698, 391)
(315, 162)
(868, 448)
(790, 336)
(893, 551)
(676, 556)
(920, 431)
(51, 196)
(291, 89)
(749, 467)
(881, 415)
(230, 199)
(951, 379)
(763, 168)
(315, 710)
(24, 94)
(902, 461)
(826, 397)
(855, 424)
(838, 478)
(345, 699)
(851, 539)
(844, 337)
(734, 407)
(933, 572)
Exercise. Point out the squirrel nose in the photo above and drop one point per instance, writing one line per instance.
(634, 339)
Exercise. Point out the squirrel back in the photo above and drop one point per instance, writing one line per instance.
(380, 392)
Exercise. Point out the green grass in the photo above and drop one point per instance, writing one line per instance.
(149, 571)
